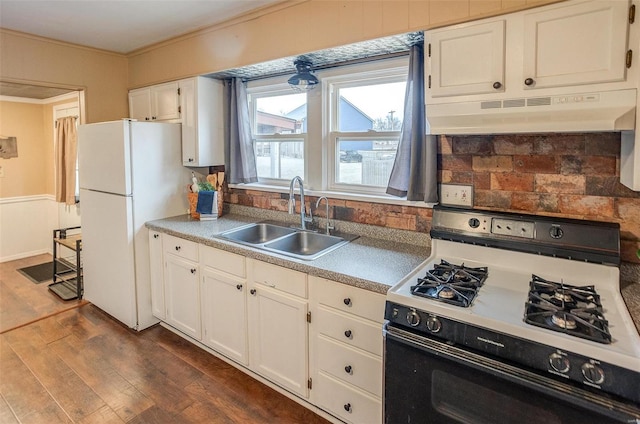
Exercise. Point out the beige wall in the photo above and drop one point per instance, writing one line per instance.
(32, 172)
(296, 27)
(35, 60)
(27, 174)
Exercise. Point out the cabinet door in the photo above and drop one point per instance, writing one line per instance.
(224, 317)
(156, 275)
(140, 104)
(189, 122)
(165, 102)
(578, 44)
(182, 295)
(202, 105)
(278, 337)
(467, 60)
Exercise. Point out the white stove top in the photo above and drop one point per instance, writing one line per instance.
(500, 303)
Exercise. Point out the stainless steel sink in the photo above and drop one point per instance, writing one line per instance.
(257, 233)
(297, 243)
(305, 244)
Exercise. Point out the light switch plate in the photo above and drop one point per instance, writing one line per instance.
(460, 195)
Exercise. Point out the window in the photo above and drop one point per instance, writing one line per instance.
(279, 123)
(366, 118)
(340, 137)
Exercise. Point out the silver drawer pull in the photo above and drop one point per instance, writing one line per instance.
(268, 284)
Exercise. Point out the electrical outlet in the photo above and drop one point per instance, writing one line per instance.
(456, 195)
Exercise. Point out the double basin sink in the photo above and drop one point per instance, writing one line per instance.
(297, 243)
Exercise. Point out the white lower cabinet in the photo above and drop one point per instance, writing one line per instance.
(278, 329)
(346, 350)
(182, 286)
(156, 275)
(318, 339)
(224, 303)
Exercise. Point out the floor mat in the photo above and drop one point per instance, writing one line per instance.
(41, 272)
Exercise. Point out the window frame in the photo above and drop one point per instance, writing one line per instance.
(316, 146)
(255, 92)
(360, 78)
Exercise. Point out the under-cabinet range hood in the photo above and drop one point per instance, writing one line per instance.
(575, 112)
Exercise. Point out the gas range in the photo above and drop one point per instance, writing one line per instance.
(548, 299)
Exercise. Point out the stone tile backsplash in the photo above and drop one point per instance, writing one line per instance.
(567, 175)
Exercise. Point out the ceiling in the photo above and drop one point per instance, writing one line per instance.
(120, 26)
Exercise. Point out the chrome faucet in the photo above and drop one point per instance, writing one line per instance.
(292, 203)
(326, 203)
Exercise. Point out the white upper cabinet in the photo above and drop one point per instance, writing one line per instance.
(468, 60)
(584, 43)
(567, 44)
(165, 103)
(156, 103)
(201, 103)
(140, 104)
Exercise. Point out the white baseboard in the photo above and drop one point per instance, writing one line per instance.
(25, 255)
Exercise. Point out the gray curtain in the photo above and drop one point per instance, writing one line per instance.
(414, 172)
(240, 159)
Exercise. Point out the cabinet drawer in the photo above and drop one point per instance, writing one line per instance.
(349, 299)
(279, 278)
(347, 403)
(349, 365)
(180, 247)
(353, 331)
(223, 261)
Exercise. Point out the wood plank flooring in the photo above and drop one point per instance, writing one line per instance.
(21, 300)
(81, 366)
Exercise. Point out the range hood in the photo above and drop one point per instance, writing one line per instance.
(575, 112)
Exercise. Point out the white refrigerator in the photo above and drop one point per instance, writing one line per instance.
(130, 172)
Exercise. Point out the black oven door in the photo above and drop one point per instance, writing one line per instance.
(428, 381)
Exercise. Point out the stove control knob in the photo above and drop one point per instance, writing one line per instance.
(556, 232)
(559, 363)
(474, 222)
(592, 373)
(433, 324)
(413, 318)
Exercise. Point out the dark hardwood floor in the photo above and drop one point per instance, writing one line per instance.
(21, 300)
(81, 366)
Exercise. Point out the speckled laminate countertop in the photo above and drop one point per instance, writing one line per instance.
(375, 261)
(370, 263)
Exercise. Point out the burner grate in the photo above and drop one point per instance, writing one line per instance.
(454, 284)
(574, 310)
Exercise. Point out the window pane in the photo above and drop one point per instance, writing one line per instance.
(279, 160)
(281, 114)
(366, 162)
(377, 107)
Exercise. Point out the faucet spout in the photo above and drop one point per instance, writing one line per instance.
(292, 202)
(326, 203)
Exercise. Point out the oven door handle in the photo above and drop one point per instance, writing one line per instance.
(573, 395)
